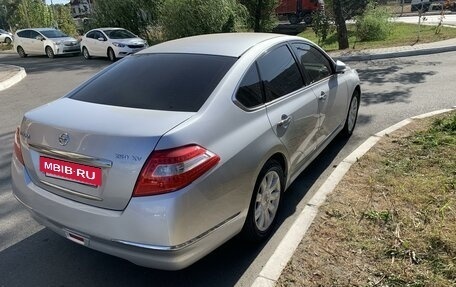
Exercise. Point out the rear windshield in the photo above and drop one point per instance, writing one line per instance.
(171, 82)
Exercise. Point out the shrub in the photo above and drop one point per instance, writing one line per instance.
(138, 16)
(373, 24)
(194, 17)
(321, 26)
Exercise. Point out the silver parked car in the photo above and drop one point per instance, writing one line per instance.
(44, 41)
(113, 43)
(165, 155)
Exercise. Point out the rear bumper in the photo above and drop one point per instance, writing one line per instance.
(144, 233)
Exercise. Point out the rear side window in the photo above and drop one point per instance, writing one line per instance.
(249, 93)
(24, 34)
(171, 82)
(280, 73)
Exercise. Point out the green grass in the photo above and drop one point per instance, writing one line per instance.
(402, 34)
(4, 47)
(392, 220)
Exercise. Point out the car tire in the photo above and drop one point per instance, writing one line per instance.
(307, 19)
(85, 53)
(8, 41)
(294, 19)
(21, 52)
(111, 55)
(265, 203)
(49, 52)
(352, 114)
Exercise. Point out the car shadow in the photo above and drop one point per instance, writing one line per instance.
(40, 64)
(390, 72)
(51, 260)
(46, 259)
(307, 179)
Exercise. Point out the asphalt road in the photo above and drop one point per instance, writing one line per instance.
(32, 256)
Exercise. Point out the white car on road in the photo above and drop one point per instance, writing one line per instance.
(44, 41)
(5, 37)
(113, 43)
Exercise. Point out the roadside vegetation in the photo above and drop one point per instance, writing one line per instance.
(162, 20)
(392, 220)
(400, 34)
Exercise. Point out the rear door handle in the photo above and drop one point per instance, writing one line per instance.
(286, 120)
(322, 96)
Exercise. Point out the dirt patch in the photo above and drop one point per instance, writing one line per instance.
(392, 219)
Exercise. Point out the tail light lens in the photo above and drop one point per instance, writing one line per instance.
(169, 170)
(17, 146)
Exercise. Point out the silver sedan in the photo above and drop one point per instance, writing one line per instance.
(165, 155)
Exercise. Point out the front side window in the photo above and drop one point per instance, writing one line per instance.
(279, 73)
(249, 92)
(315, 65)
(34, 35)
(170, 82)
(91, 35)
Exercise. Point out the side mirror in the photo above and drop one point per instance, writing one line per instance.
(340, 67)
(101, 39)
(40, 38)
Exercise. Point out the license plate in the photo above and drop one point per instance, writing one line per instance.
(70, 171)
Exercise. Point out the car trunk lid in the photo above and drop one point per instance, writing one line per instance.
(92, 153)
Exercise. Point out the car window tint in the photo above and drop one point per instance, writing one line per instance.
(33, 34)
(316, 66)
(91, 35)
(249, 92)
(171, 82)
(23, 34)
(279, 73)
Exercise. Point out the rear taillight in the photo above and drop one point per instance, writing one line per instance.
(17, 146)
(172, 169)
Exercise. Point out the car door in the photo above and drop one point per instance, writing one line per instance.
(292, 108)
(35, 42)
(330, 90)
(100, 45)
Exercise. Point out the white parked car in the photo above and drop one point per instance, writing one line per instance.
(5, 37)
(113, 43)
(44, 41)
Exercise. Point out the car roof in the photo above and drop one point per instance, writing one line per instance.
(108, 28)
(227, 44)
(38, 29)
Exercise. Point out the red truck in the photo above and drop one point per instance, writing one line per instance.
(299, 10)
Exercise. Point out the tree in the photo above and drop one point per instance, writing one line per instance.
(181, 18)
(8, 8)
(342, 11)
(136, 16)
(342, 34)
(32, 13)
(63, 19)
(262, 16)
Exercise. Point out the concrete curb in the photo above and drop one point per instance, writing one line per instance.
(397, 54)
(20, 74)
(286, 248)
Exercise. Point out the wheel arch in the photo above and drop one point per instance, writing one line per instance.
(280, 158)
